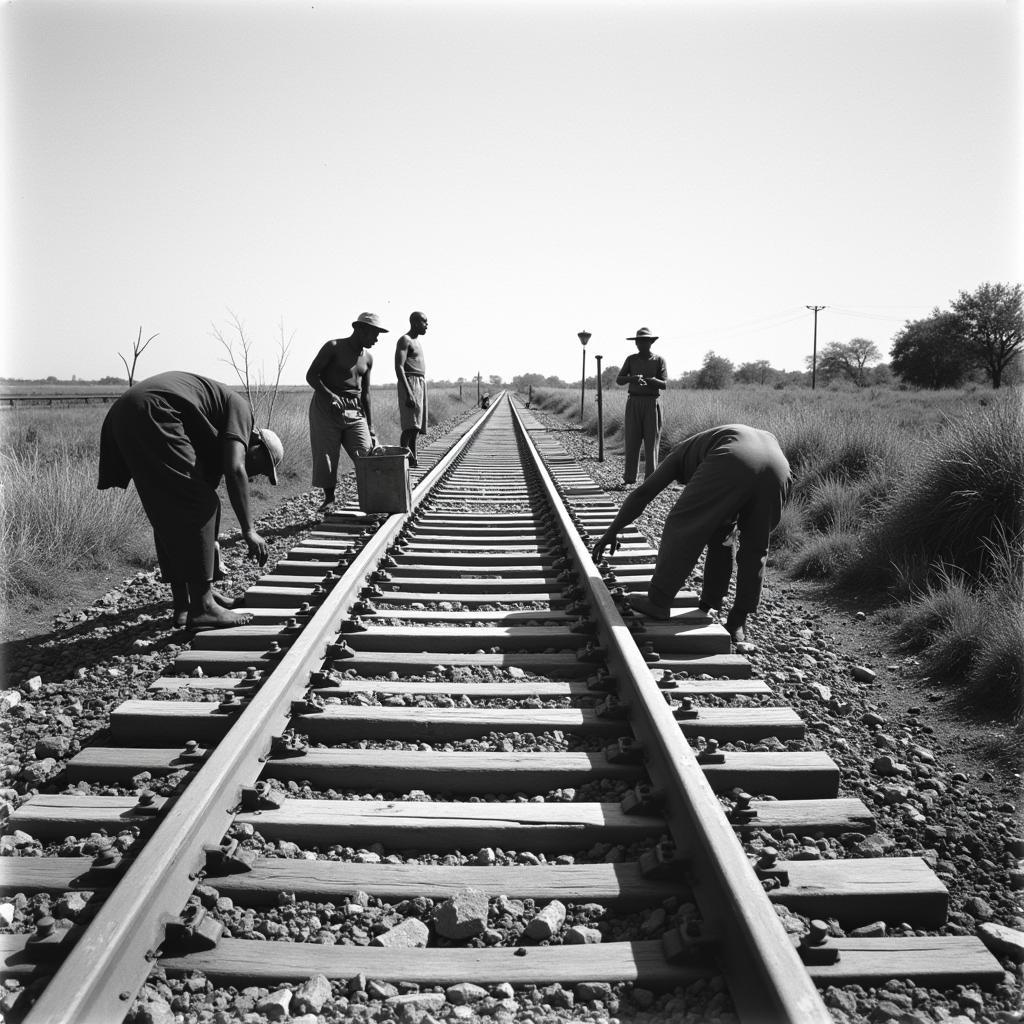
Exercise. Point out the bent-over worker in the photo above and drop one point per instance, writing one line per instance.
(339, 411)
(410, 369)
(736, 479)
(175, 435)
(646, 376)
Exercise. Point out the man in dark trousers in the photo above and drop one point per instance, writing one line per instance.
(339, 411)
(736, 479)
(176, 435)
(411, 369)
(646, 376)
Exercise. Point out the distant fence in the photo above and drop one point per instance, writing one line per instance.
(59, 396)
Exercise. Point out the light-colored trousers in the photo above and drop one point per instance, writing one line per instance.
(642, 426)
(329, 430)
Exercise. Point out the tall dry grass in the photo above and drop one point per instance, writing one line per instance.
(915, 498)
(55, 522)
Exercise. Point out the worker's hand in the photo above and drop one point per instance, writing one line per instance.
(257, 547)
(336, 403)
(609, 540)
(641, 380)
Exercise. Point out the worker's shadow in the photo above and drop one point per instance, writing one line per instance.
(91, 642)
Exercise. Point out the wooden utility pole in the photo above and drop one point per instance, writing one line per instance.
(814, 351)
(600, 414)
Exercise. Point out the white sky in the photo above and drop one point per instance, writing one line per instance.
(520, 171)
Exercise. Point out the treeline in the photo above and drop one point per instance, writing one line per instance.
(979, 338)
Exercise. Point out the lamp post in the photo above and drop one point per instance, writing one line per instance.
(584, 337)
(600, 413)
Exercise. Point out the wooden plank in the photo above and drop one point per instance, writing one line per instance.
(784, 774)
(53, 816)
(620, 885)
(810, 817)
(137, 721)
(548, 595)
(641, 962)
(31, 875)
(702, 638)
(448, 825)
(933, 961)
(857, 892)
(436, 615)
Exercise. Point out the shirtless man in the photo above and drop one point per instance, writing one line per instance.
(339, 412)
(410, 369)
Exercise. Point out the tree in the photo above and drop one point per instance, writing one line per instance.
(260, 394)
(759, 372)
(608, 375)
(138, 347)
(847, 359)
(932, 353)
(992, 322)
(495, 379)
(715, 373)
(523, 381)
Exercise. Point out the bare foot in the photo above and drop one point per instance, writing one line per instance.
(221, 618)
(224, 601)
(645, 606)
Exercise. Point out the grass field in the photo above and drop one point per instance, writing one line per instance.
(912, 500)
(55, 523)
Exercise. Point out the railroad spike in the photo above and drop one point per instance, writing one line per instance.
(592, 652)
(372, 591)
(766, 868)
(682, 709)
(339, 649)
(625, 751)
(45, 942)
(107, 858)
(613, 708)
(650, 655)
(148, 805)
(230, 705)
(742, 811)
(662, 862)
(261, 798)
(379, 576)
(352, 625)
(362, 607)
(602, 682)
(194, 932)
(192, 751)
(710, 754)
(230, 858)
(642, 799)
(288, 744)
(816, 948)
(685, 943)
(311, 704)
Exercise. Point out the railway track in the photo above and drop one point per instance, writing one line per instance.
(525, 738)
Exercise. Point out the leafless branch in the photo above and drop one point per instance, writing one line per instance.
(138, 347)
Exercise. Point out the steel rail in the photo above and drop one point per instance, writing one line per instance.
(767, 980)
(112, 958)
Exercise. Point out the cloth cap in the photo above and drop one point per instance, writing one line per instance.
(370, 320)
(275, 450)
(643, 334)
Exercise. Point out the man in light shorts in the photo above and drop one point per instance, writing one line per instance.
(339, 412)
(410, 369)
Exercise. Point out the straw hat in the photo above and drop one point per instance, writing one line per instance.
(370, 320)
(643, 335)
(275, 450)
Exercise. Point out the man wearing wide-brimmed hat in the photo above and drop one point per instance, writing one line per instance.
(339, 412)
(646, 376)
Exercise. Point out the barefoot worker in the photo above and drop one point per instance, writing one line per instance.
(175, 435)
(339, 412)
(410, 369)
(646, 376)
(735, 477)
